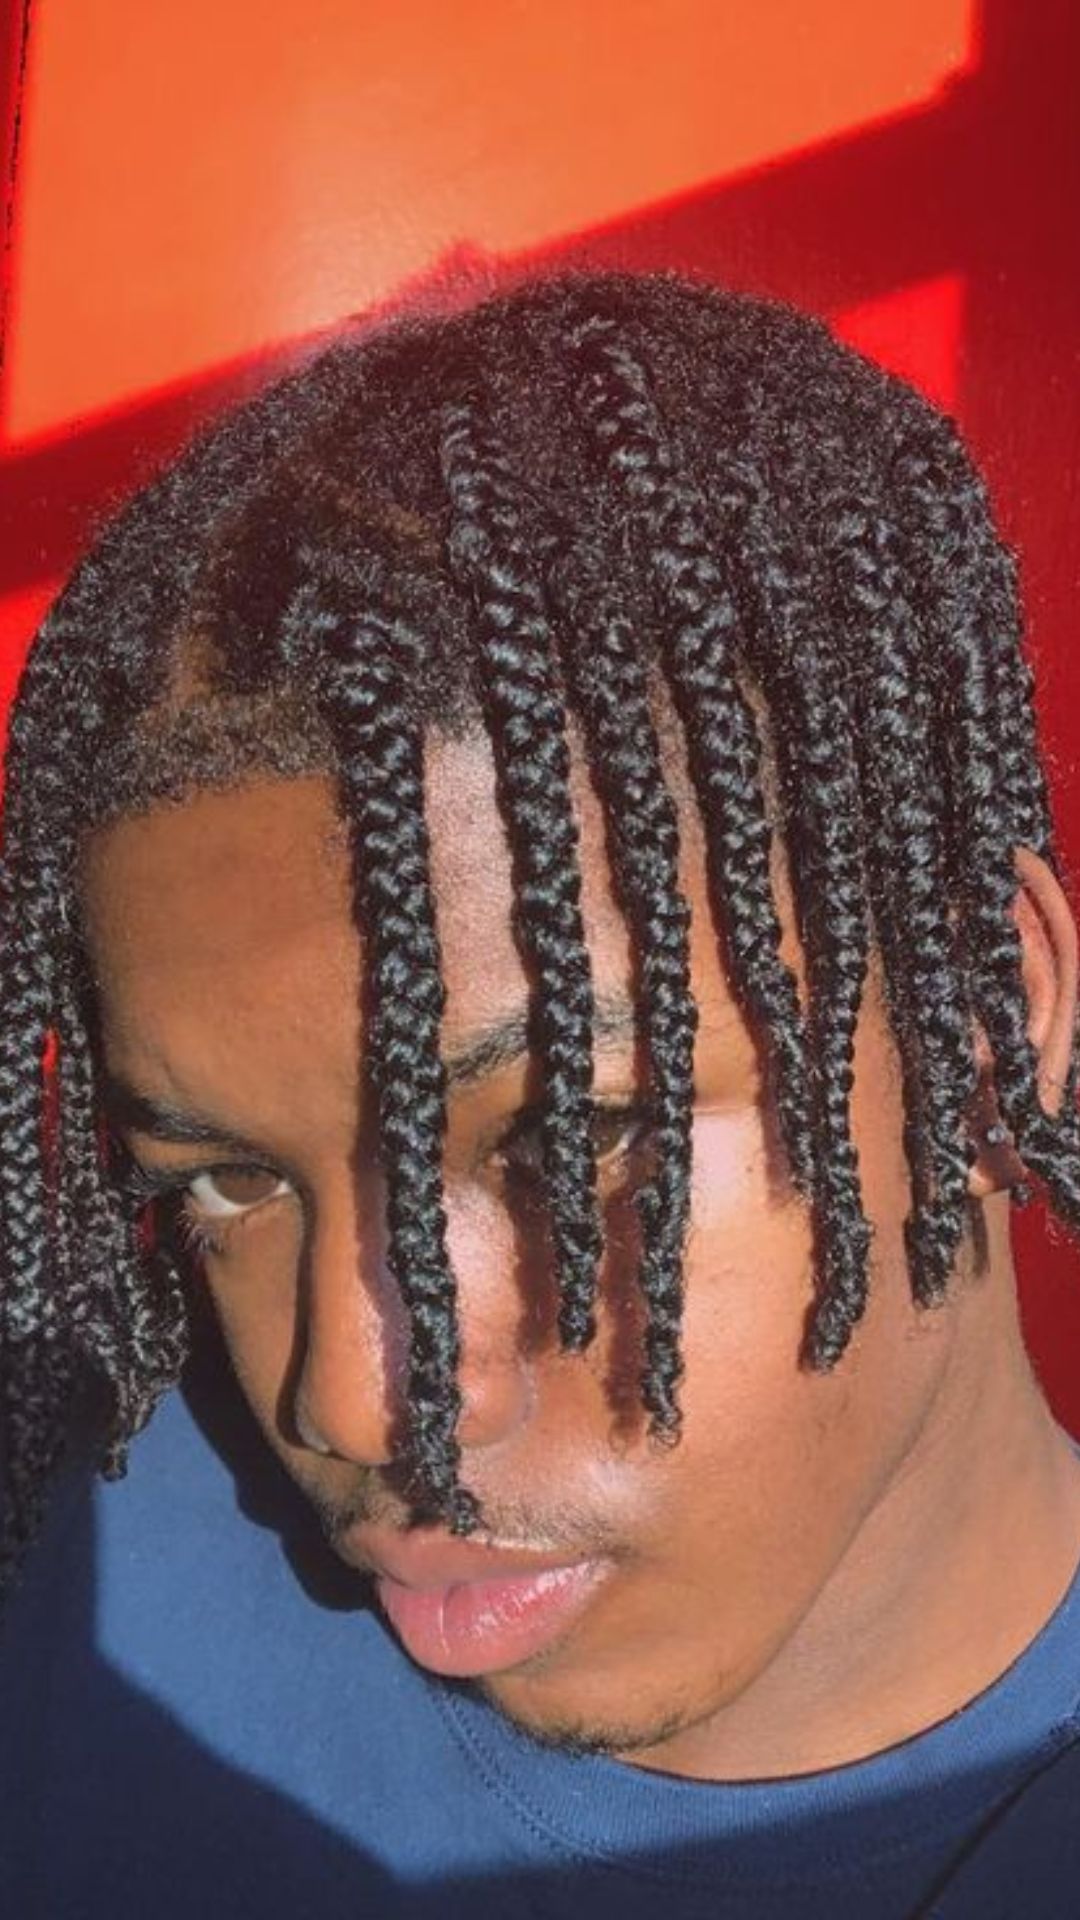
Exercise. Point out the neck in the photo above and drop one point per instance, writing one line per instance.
(953, 1572)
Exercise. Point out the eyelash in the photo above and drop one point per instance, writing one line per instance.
(195, 1231)
(203, 1233)
(199, 1231)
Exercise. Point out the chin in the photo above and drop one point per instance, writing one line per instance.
(579, 1730)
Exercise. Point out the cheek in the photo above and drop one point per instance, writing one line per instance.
(254, 1287)
(778, 1463)
(749, 1286)
(749, 1270)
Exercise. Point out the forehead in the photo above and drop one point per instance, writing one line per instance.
(264, 864)
(235, 906)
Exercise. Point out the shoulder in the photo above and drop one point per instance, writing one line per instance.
(191, 1703)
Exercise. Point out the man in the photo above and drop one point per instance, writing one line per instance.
(530, 911)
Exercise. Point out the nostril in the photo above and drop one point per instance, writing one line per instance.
(308, 1431)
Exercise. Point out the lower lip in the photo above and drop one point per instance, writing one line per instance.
(484, 1626)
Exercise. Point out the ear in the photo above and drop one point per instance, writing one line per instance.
(1048, 942)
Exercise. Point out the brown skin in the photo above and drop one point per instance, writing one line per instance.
(826, 1564)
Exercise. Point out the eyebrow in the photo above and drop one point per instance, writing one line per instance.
(130, 1110)
(481, 1054)
(503, 1042)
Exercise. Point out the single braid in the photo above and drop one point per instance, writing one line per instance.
(382, 790)
(528, 731)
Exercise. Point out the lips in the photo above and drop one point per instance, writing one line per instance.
(462, 1609)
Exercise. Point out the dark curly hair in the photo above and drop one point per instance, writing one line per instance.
(603, 505)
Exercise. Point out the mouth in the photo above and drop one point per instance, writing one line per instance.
(463, 1610)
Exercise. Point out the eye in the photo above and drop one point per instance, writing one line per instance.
(204, 1204)
(216, 1202)
(223, 1192)
(617, 1131)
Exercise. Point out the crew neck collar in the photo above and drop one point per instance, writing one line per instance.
(899, 1799)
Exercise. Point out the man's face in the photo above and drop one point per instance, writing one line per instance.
(222, 939)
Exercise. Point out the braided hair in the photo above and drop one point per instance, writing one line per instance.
(593, 508)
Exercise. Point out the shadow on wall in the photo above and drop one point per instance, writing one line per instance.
(981, 184)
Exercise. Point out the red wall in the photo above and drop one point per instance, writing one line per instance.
(198, 190)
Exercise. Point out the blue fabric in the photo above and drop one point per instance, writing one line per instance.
(200, 1716)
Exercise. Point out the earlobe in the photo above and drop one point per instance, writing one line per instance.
(1047, 930)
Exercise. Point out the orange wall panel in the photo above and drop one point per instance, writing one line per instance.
(197, 179)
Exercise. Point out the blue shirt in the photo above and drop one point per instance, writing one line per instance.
(202, 1716)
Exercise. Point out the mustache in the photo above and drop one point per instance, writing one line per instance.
(507, 1523)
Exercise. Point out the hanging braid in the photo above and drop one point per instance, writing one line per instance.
(994, 771)
(381, 754)
(332, 612)
(77, 1298)
(34, 1372)
(712, 632)
(489, 548)
(701, 639)
(818, 775)
(610, 689)
(554, 515)
(899, 764)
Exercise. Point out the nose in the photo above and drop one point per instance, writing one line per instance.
(351, 1391)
